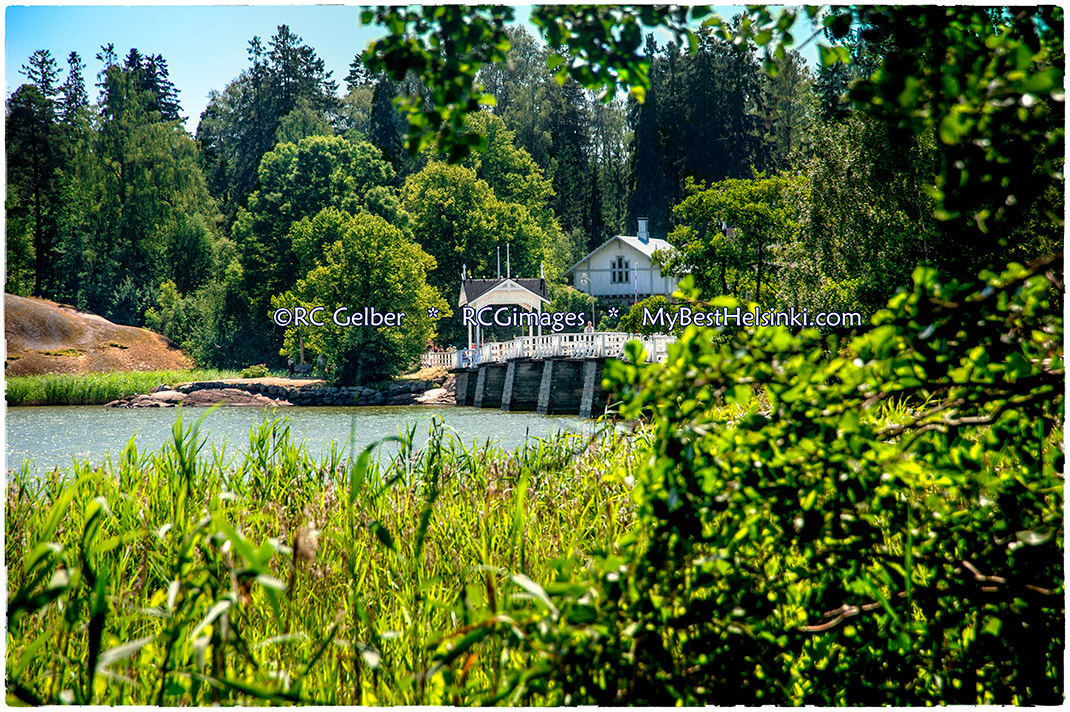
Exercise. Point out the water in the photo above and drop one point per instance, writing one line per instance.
(52, 436)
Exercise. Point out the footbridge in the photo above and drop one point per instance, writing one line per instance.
(555, 374)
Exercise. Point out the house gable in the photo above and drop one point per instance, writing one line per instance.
(526, 292)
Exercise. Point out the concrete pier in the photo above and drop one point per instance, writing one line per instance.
(551, 386)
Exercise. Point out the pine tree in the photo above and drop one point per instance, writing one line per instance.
(358, 74)
(156, 81)
(239, 125)
(73, 95)
(33, 160)
(647, 176)
(571, 155)
(384, 126)
(42, 73)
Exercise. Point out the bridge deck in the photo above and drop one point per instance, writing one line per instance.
(604, 344)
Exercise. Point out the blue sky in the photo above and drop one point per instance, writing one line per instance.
(205, 46)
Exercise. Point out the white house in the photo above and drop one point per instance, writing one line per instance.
(622, 267)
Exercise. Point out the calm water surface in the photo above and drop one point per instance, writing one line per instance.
(52, 436)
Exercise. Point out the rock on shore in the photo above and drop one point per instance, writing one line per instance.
(207, 397)
(275, 392)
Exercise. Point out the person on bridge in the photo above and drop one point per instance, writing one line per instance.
(589, 329)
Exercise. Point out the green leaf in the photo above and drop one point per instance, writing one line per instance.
(383, 535)
(535, 590)
(122, 652)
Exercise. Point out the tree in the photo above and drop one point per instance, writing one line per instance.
(791, 109)
(296, 72)
(42, 72)
(73, 93)
(465, 40)
(385, 127)
(864, 219)
(153, 219)
(458, 220)
(157, 83)
(298, 181)
(609, 146)
(522, 87)
(730, 234)
(34, 158)
(241, 122)
(302, 122)
(364, 262)
(571, 157)
(510, 171)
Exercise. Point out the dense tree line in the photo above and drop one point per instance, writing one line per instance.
(114, 207)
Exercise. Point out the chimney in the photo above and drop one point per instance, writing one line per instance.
(644, 236)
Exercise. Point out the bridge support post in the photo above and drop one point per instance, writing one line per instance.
(545, 385)
(591, 371)
(507, 389)
(481, 385)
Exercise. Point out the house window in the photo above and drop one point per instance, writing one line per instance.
(620, 267)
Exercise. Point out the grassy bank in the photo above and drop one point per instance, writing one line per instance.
(271, 577)
(96, 388)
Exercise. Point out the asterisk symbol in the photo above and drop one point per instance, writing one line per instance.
(614, 312)
(432, 313)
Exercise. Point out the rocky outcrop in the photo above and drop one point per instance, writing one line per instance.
(223, 396)
(254, 393)
(46, 337)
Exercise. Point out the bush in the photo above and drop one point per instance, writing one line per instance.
(258, 371)
(878, 527)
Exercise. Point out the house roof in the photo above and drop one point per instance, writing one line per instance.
(647, 248)
(473, 289)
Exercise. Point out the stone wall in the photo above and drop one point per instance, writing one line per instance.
(399, 393)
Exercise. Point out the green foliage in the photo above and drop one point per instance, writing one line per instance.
(364, 263)
(632, 320)
(243, 121)
(987, 81)
(731, 233)
(604, 43)
(458, 220)
(881, 525)
(35, 156)
(508, 170)
(151, 217)
(258, 371)
(189, 577)
(297, 181)
(996, 94)
(860, 237)
(444, 47)
(566, 298)
(302, 122)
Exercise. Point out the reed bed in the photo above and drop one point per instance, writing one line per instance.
(96, 388)
(194, 576)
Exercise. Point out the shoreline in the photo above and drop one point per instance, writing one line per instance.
(286, 392)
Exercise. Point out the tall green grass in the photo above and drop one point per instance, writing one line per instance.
(96, 388)
(194, 576)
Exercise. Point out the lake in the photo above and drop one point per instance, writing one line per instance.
(51, 436)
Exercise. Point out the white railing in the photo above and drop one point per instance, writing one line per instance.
(444, 359)
(608, 344)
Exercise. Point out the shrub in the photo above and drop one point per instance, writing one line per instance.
(879, 527)
(258, 371)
